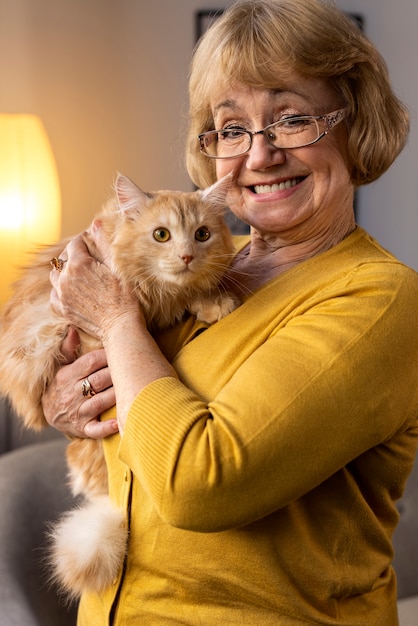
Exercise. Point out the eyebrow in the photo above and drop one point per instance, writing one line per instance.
(226, 104)
(231, 104)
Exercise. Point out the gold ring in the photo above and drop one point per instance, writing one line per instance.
(86, 388)
(57, 263)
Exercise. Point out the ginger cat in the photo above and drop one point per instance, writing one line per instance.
(171, 249)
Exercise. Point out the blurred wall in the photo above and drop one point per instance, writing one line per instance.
(388, 208)
(109, 80)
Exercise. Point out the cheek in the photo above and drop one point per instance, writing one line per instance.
(330, 165)
(221, 168)
(224, 167)
(338, 147)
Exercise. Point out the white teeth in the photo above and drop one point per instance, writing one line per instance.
(277, 186)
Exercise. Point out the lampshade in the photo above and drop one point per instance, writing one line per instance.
(30, 203)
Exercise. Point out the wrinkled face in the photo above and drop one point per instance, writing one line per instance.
(299, 190)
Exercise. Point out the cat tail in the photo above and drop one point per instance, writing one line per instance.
(88, 548)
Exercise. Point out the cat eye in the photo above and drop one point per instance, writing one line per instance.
(202, 234)
(161, 235)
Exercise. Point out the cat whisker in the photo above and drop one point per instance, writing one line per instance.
(239, 286)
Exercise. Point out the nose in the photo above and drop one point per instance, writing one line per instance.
(263, 155)
(187, 258)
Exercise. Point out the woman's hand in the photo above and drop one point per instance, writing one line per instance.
(65, 407)
(86, 292)
(90, 297)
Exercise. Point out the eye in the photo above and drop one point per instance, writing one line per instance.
(161, 234)
(295, 123)
(202, 234)
(232, 133)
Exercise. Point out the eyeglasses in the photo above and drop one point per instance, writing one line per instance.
(291, 132)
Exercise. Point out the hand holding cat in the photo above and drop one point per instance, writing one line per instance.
(64, 406)
(78, 291)
(90, 296)
(86, 292)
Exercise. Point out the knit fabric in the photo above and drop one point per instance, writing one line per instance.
(262, 486)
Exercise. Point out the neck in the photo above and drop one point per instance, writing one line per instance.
(269, 255)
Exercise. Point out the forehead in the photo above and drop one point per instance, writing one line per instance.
(317, 93)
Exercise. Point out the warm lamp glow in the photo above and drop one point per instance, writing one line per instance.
(30, 202)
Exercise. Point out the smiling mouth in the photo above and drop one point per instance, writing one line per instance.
(287, 184)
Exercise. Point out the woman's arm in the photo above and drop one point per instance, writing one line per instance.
(279, 398)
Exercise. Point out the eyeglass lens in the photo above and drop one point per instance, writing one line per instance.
(289, 133)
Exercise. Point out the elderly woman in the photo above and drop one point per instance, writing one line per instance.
(260, 465)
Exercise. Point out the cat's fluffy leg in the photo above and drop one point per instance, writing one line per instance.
(30, 352)
(87, 468)
(88, 547)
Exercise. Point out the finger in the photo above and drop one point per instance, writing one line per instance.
(70, 345)
(77, 249)
(100, 242)
(54, 301)
(54, 278)
(90, 363)
(99, 430)
(97, 404)
(58, 264)
(99, 381)
(86, 422)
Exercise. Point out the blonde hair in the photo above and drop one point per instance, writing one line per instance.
(260, 43)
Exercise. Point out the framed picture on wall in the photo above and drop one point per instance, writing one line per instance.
(204, 19)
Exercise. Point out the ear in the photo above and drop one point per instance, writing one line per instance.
(129, 196)
(216, 193)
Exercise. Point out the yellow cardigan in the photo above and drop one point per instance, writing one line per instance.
(262, 487)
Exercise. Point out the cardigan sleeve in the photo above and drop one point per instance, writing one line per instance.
(334, 378)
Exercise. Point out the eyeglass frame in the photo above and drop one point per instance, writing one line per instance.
(331, 119)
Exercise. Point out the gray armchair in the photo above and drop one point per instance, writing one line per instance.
(33, 491)
(405, 541)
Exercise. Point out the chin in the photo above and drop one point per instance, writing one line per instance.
(182, 279)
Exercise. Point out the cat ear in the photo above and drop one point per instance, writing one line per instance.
(129, 196)
(217, 192)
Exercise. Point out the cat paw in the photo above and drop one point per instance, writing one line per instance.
(211, 310)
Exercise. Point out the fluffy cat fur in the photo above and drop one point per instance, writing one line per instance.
(171, 249)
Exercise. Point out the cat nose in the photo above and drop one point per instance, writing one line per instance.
(187, 258)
